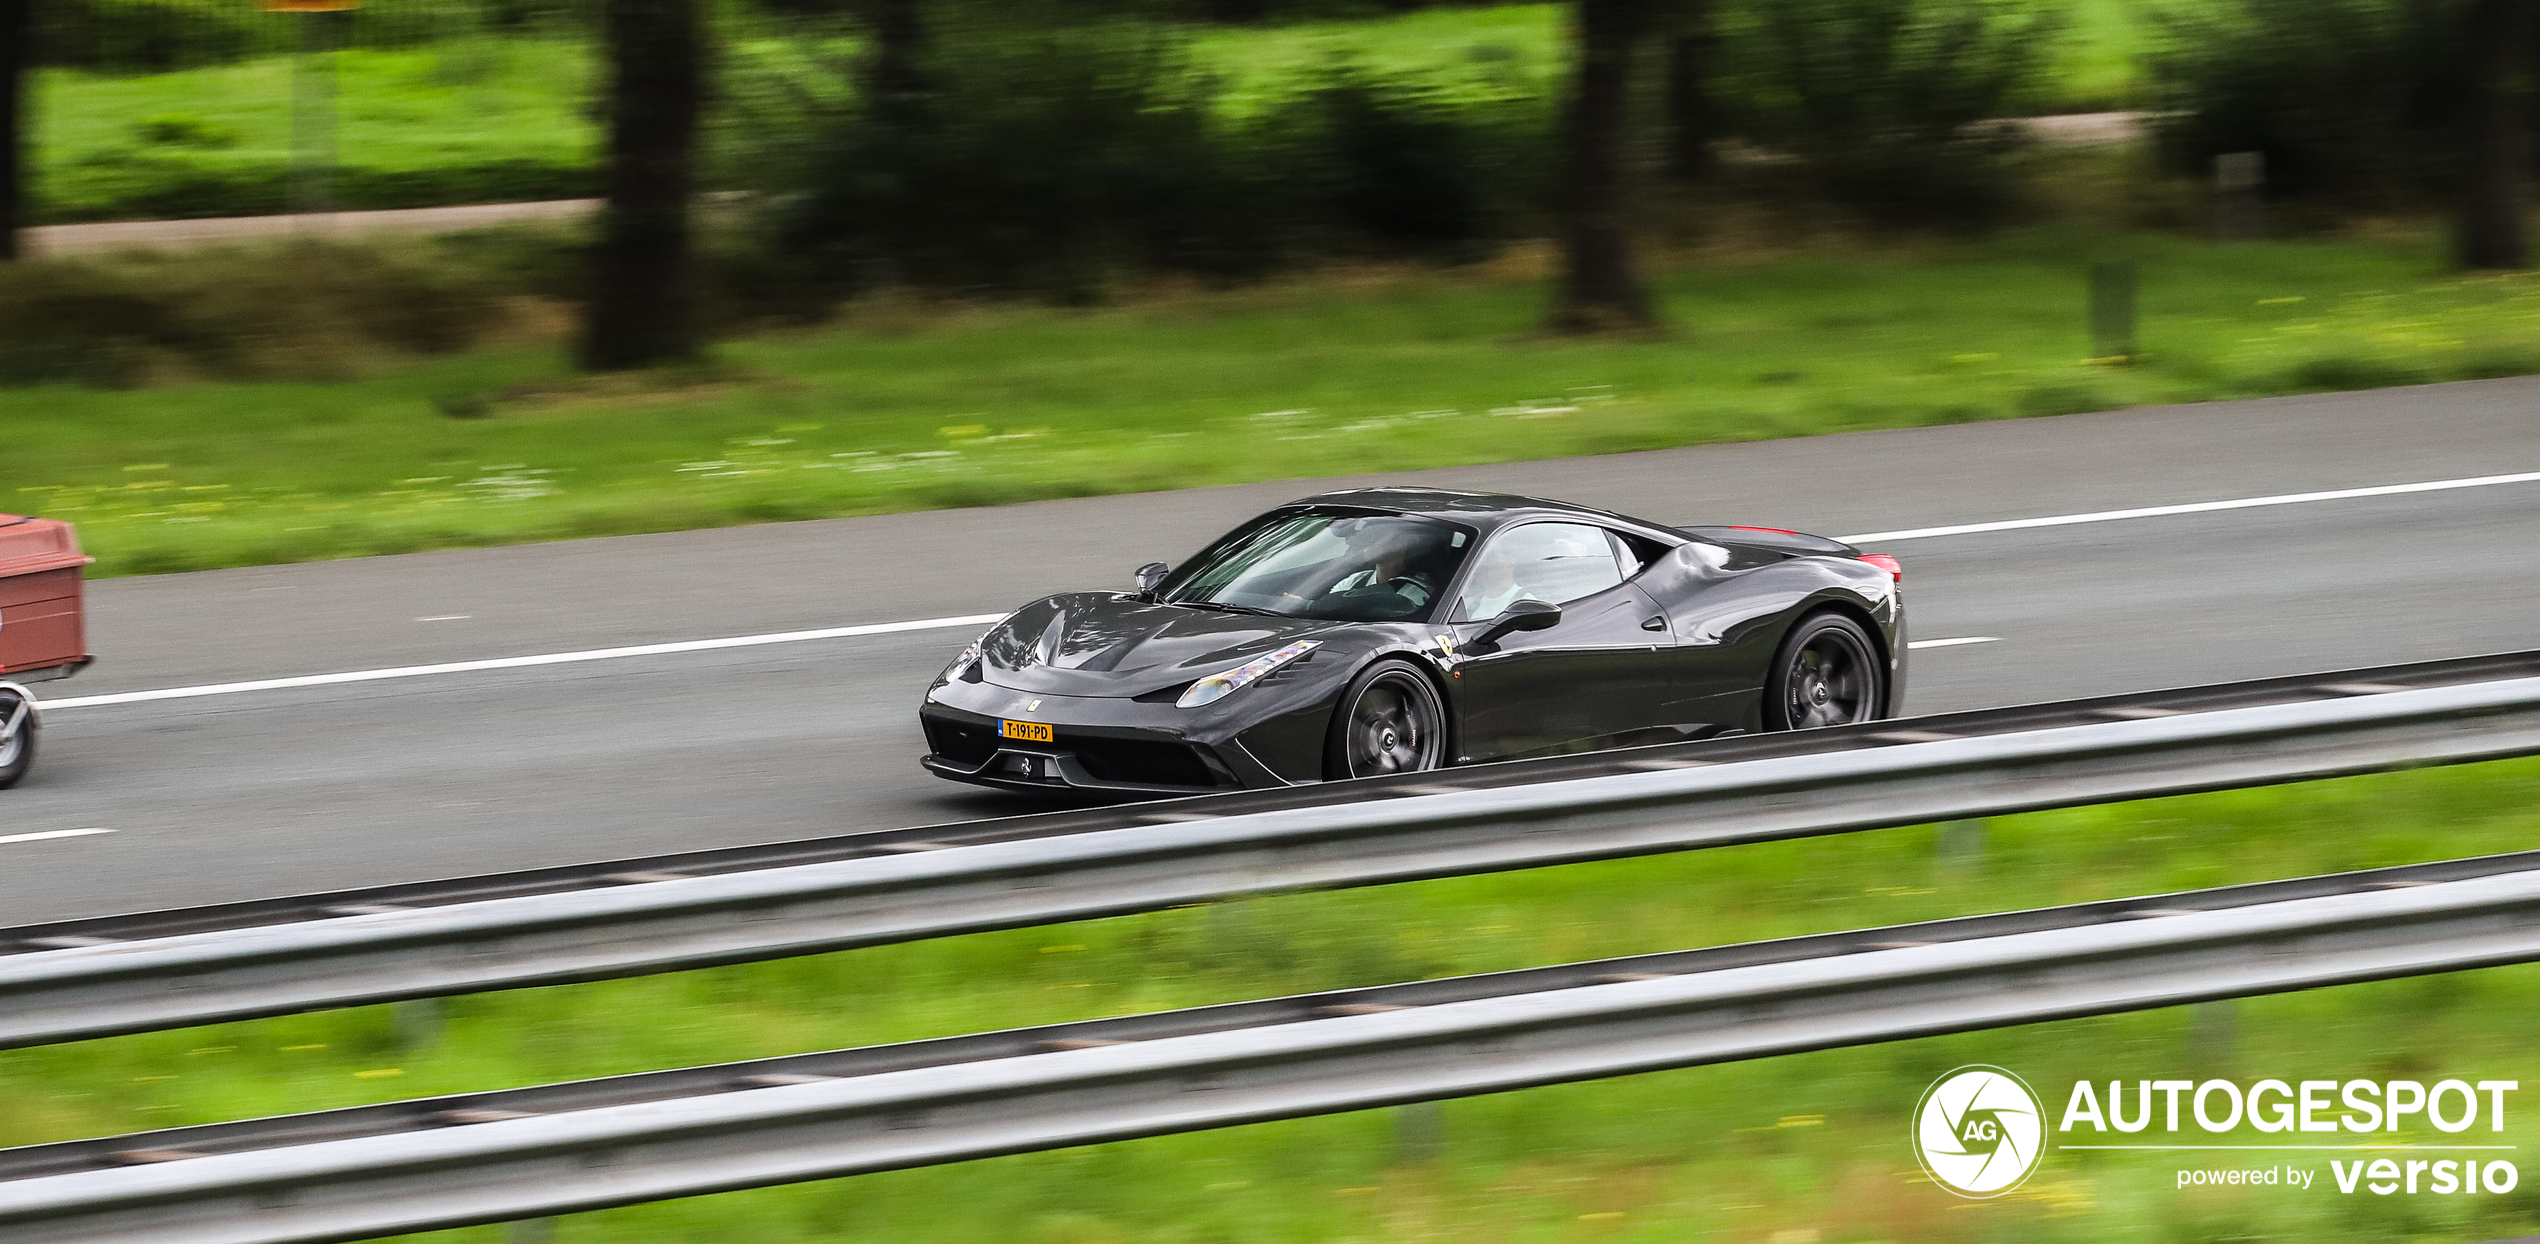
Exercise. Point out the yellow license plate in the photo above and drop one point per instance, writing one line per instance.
(1028, 731)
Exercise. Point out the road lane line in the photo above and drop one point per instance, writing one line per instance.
(1959, 642)
(507, 663)
(53, 833)
(982, 619)
(2199, 507)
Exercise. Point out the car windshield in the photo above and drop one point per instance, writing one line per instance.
(1341, 567)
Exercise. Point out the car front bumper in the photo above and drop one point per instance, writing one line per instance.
(1100, 745)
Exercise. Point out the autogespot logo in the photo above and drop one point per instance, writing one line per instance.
(1979, 1131)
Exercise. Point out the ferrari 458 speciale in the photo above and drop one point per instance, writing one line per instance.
(1400, 629)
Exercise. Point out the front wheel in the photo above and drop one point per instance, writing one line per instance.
(1390, 721)
(18, 724)
(1826, 674)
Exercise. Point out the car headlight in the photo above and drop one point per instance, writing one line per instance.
(1218, 686)
(970, 655)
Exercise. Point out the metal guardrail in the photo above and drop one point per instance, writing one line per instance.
(455, 1161)
(609, 874)
(1682, 801)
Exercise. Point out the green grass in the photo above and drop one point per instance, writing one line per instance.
(485, 120)
(902, 406)
(1802, 1147)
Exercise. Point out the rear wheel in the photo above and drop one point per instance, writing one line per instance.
(1826, 674)
(17, 733)
(1390, 721)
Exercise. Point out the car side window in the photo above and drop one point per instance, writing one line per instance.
(1555, 563)
(1625, 556)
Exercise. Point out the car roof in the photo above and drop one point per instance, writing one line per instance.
(1484, 510)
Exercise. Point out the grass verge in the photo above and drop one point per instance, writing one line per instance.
(904, 405)
(1807, 1147)
(477, 121)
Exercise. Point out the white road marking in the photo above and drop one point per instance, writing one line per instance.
(1953, 643)
(2200, 507)
(447, 617)
(982, 619)
(507, 663)
(54, 833)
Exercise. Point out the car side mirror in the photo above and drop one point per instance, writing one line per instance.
(1524, 615)
(1151, 576)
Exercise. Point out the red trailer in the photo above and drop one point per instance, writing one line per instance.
(42, 635)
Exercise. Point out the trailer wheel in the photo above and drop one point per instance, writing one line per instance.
(18, 726)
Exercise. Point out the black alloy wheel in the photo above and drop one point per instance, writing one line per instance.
(17, 734)
(1390, 722)
(1827, 674)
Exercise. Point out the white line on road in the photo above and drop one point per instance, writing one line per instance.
(982, 619)
(53, 833)
(2199, 507)
(1961, 641)
(507, 663)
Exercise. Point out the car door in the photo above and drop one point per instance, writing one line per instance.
(1597, 675)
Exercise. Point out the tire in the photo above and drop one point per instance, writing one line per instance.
(1390, 720)
(17, 748)
(1827, 673)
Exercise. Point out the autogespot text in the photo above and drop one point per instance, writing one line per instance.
(2353, 1116)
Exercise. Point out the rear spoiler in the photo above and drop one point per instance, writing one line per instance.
(1789, 543)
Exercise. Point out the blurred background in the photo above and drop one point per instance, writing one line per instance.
(806, 230)
(303, 280)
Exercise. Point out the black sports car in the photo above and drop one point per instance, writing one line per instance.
(1386, 630)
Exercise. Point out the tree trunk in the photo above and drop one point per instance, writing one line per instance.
(1600, 288)
(643, 282)
(2492, 233)
(894, 74)
(1691, 119)
(17, 57)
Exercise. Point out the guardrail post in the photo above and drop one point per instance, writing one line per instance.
(1419, 1131)
(530, 1231)
(2113, 321)
(1960, 844)
(419, 1023)
(2240, 179)
(2213, 1028)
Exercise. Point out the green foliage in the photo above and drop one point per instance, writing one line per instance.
(301, 310)
(2348, 99)
(151, 36)
(1394, 166)
(160, 183)
(161, 36)
(1040, 162)
(1424, 134)
(1884, 102)
(1055, 161)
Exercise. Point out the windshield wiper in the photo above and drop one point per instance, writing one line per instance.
(1223, 607)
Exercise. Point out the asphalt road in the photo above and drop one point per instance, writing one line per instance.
(249, 795)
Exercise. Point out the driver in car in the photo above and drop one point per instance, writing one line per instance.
(1406, 568)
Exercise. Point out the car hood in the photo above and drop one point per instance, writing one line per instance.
(1106, 644)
